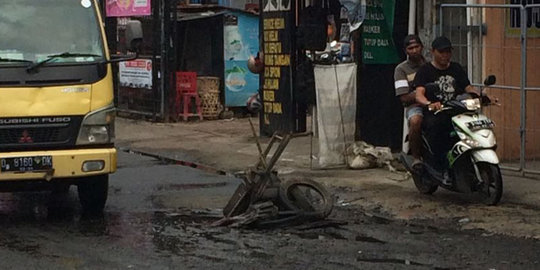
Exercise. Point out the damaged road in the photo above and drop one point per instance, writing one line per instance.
(159, 216)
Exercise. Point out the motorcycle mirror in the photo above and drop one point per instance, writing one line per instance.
(490, 80)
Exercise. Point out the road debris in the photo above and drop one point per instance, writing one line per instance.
(264, 199)
(361, 155)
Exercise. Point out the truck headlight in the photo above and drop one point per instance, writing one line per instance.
(98, 127)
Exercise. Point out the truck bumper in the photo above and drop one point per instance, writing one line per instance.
(66, 164)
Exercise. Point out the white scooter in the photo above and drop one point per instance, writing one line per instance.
(472, 164)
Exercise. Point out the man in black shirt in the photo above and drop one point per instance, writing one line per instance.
(452, 81)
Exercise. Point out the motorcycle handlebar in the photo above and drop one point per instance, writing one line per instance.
(443, 108)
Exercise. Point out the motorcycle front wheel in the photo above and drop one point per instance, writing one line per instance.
(490, 186)
(423, 184)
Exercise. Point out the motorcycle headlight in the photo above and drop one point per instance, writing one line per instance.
(98, 127)
(468, 140)
(472, 143)
(472, 104)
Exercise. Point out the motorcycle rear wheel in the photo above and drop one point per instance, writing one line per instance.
(491, 185)
(424, 185)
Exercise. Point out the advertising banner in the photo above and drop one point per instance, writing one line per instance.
(276, 85)
(377, 43)
(136, 73)
(355, 12)
(241, 40)
(126, 8)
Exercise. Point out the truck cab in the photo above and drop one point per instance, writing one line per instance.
(56, 99)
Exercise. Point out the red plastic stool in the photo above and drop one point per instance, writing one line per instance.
(186, 91)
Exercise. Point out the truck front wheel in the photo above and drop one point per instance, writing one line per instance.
(93, 191)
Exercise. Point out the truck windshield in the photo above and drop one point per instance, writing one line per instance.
(31, 31)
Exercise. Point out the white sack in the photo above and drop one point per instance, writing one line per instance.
(336, 124)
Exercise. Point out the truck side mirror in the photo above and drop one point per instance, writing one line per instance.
(490, 80)
(134, 35)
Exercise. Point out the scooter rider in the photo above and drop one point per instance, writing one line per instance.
(403, 82)
(452, 81)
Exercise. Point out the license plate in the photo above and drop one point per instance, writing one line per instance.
(26, 164)
(480, 124)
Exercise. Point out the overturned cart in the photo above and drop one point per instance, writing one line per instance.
(264, 199)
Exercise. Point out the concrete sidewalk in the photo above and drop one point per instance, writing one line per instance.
(229, 146)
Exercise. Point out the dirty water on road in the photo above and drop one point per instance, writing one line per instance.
(351, 239)
(185, 239)
(165, 223)
(518, 213)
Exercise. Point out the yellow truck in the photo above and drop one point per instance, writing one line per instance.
(56, 98)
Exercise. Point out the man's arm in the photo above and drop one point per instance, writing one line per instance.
(421, 99)
(420, 96)
(490, 99)
(401, 85)
(420, 80)
(408, 99)
(470, 89)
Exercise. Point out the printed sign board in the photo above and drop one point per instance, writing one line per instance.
(276, 84)
(377, 43)
(126, 8)
(136, 73)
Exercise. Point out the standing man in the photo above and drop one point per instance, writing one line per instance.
(452, 81)
(403, 82)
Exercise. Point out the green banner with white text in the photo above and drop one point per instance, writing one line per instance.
(377, 44)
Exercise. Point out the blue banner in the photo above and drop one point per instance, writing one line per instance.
(241, 40)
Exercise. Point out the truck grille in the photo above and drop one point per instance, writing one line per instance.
(28, 133)
(31, 135)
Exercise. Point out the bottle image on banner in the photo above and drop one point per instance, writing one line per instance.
(235, 78)
(235, 47)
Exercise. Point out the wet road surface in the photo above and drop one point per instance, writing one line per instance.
(158, 217)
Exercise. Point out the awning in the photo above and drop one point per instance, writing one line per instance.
(185, 16)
